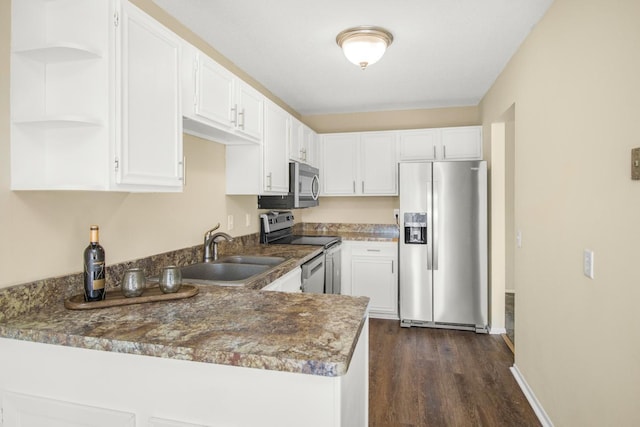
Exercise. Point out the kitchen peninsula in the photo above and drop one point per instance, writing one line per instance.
(227, 356)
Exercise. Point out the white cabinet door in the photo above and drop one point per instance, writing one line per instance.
(311, 150)
(422, 144)
(303, 143)
(250, 110)
(370, 269)
(296, 141)
(463, 143)
(455, 143)
(378, 164)
(290, 282)
(214, 91)
(276, 157)
(218, 105)
(23, 410)
(339, 160)
(359, 163)
(150, 152)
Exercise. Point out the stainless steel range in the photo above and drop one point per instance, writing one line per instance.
(322, 273)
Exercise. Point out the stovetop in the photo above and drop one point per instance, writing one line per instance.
(277, 228)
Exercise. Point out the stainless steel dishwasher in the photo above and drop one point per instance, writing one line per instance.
(333, 265)
(313, 275)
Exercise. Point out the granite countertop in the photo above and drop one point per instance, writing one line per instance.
(302, 333)
(239, 326)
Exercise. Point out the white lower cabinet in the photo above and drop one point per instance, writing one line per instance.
(44, 385)
(371, 269)
(290, 282)
(25, 410)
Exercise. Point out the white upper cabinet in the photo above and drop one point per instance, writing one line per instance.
(339, 162)
(150, 114)
(420, 144)
(462, 143)
(262, 169)
(455, 143)
(359, 163)
(218, 105)
(84, 113)
(303, 143)
(311, 148)
(276, 156)
(378, 163)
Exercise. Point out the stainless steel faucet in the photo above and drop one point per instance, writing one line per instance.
(211, 240)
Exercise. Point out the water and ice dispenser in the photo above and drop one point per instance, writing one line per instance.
(415, 228)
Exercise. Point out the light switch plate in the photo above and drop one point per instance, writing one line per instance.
(230, 222)
(587, 263)
(635, 164)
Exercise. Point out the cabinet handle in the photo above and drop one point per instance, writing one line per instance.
(234, 115)
(269, 181)
(434, 152)
(184, 170)
(444, 151)
(354, 187)
(362, 187)
(195, 84)
(241, 124)
(392, 262)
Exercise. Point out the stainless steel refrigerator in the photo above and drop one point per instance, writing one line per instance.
(443, 245)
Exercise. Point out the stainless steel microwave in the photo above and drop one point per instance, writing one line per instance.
(304, 189)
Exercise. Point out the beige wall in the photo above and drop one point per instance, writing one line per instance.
(575, 84)
(391, 120)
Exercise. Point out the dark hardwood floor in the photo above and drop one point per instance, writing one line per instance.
(439, 377)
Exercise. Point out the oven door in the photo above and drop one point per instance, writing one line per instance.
(313, 275)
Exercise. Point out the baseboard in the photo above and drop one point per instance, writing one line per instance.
(531, 397)
(497, 331)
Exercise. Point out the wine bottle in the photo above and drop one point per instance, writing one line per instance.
(94, 271)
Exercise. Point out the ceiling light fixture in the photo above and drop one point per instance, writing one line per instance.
(364, 45)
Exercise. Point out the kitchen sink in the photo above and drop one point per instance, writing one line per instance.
(229, 271)
(252, 259)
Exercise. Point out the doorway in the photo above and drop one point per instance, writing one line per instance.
(503, 152)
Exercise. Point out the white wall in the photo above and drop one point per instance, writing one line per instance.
(575, 84)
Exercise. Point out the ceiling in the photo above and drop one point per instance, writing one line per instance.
(445, 52)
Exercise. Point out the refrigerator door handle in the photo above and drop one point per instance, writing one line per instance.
(429, 225)
(435, 221)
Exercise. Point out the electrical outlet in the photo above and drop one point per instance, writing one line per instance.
(247, 220)
(396, 214)
(230, 222)
(587, 263)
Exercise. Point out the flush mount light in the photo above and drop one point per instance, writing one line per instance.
(364, 45)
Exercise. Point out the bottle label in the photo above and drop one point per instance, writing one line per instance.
(98, 284)
(96, 272)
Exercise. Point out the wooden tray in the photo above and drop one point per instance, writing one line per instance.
(115, 298)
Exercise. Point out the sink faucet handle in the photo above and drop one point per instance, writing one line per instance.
(208, 233)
